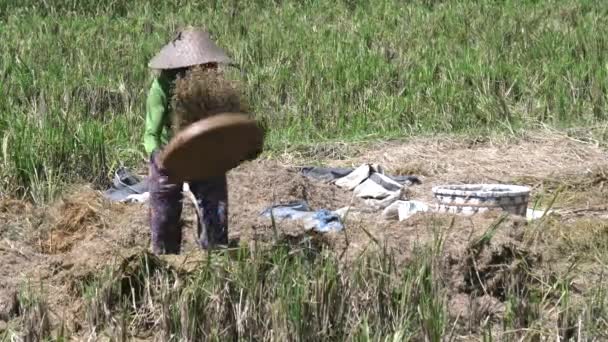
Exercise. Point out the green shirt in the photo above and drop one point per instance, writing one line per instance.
(157, 130)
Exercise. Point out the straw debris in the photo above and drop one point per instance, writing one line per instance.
(75, 216)
(201, 93)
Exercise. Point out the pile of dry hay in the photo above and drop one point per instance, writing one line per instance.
(201, 93)
(76, 216)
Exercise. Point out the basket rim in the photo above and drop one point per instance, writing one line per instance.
(481, 190)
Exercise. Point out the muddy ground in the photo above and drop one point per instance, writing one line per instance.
(62, 244)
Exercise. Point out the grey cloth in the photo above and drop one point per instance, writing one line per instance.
(325, 173)
(329, 174)
(125, 184)
(384, 183)
(409, 180)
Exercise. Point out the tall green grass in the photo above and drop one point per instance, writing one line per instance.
(74, 76)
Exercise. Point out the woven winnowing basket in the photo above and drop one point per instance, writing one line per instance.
(470, 199)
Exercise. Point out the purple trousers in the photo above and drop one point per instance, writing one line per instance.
(166, 209)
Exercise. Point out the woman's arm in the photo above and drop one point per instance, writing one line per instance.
(156, 109)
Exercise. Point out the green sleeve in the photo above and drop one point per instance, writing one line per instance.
(156, 109)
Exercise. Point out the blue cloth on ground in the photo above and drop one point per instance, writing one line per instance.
(326, 221)
(293, 210)
(322, 220)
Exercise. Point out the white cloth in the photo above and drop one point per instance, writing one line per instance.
(402, 210)
(369, 183)
(353, 179)
(377, 186)
(137, 198)
(145, 197)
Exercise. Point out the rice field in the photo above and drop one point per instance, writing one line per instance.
(73, 83)
(74, 73)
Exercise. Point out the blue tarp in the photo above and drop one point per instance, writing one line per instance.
(322, 220)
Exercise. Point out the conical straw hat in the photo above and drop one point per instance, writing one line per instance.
(189, 47)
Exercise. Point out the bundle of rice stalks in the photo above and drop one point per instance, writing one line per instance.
(201, 93)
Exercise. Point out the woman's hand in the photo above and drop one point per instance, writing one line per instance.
(154, 156)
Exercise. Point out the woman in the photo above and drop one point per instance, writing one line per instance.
(190, 48)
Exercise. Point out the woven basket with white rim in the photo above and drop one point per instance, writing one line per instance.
(470, 199)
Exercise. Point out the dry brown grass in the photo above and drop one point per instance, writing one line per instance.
(540, 152)
(74, 217)
(543, 160)
(481, 277)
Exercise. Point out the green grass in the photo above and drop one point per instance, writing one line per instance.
(74, 78)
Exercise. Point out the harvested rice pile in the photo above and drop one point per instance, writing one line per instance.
(201, 93)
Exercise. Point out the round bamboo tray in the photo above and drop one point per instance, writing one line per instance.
(470, 199)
